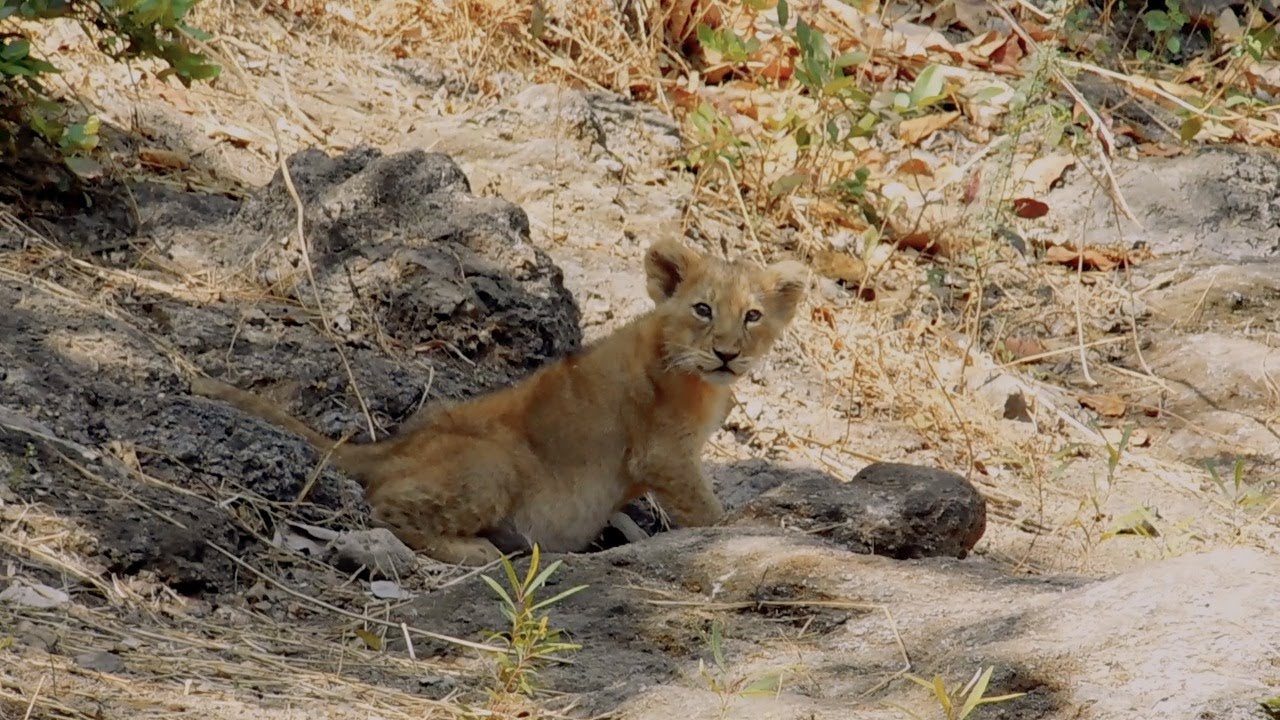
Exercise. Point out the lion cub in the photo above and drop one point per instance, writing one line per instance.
(555, 455)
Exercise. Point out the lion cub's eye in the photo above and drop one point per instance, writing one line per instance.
(753, 316)
(702, 310)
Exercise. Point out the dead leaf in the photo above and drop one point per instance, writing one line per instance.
(1137, 437)
(916, 166)
(126, 453)
(972, 187)
(1227, 25)
(779, 68)
(925, 243)
(1029, 208)
(1158, 149)
(388, 590)
(914, 130)
(164, 159)
(1024, 347)
(1009, 54)
(85, 167)
(975, 15)
(235, 135)
(841, 267)
(828, 211)
(316, 532)
(987, 44)
(297, 542)
(823, 315)
(1043, 172)
(1105, 405)
(1089, 259)
(1137, 522)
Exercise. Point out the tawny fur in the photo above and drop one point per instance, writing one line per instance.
(555, 455)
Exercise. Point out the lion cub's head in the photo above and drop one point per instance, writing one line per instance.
(720, 317)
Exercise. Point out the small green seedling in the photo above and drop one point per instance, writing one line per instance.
(960, 702)
(530, 642)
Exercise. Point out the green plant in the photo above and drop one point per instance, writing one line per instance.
(1240, 493)
(122, 29)
(713, 139)
(722, 683)
(726, 43)
(959, 702)
(530, 642)
(1165, 25)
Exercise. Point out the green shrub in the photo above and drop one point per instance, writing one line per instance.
(122, 29)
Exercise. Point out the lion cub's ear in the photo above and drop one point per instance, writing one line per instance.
(785, 286)
(666, 265)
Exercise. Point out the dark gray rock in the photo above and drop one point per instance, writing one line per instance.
(892, 509)
(430, 293)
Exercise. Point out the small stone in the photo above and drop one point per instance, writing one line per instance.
(35, 636)
(893, 509)
(378, 550)
(34, 595)
(437, 686)
(100, 661)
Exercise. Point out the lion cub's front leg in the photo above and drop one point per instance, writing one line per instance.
(683, 492)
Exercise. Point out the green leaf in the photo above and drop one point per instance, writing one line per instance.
(15, 50)
(846, 87)
(370, 639)
(542, 576)
(85, 168)
(988, 93)
(707, 37)
(787, 183)
(717, 642)
(558, 598)
(1157, 21)
(534, 560)
(770, 684)
(855, 57)
(1174, 44)
(1190, 128)
(929, 84)
(975, 694)
(784, 13)
(493, 584)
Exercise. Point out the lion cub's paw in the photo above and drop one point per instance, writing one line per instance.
(472, 551)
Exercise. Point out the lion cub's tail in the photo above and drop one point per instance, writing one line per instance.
(351, 459)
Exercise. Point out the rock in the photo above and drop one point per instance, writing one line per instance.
(892, 509)
(34, 595)
(1150, 642)
(1215, 202)
(107, 662)
(437, 686)
(36, 636)
(404, 256)
(378, 550)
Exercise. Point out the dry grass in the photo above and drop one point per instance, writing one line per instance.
(913, 359)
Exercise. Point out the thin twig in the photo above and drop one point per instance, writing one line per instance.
(1102, 132)
(348, 613)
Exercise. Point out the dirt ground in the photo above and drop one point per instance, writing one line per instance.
(162, 551)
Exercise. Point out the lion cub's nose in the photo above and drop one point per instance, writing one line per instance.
(725, 357)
